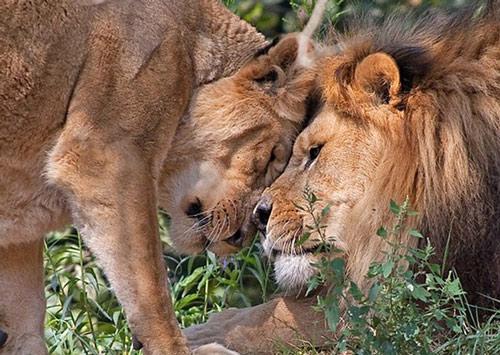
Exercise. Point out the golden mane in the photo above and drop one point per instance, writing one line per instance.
(447, 158)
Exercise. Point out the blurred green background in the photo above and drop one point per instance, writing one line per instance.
(280, 16)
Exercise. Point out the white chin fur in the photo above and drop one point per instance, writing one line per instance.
(293, 271)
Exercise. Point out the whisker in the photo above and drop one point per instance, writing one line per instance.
(281, 236)
(293, 240)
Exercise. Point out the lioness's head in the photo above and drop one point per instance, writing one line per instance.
(236, 139)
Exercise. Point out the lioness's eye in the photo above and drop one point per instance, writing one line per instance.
(271, 160)
(272, 157)
(314, 152)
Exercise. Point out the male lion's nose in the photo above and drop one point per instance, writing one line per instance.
(262, 212)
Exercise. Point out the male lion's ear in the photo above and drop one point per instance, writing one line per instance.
(378, 76)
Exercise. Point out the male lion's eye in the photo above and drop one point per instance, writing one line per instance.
(314, 152)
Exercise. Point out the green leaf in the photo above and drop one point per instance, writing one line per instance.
(338, 265)
(206, 276)
(453, 288)
(313, 284)
(415, 233)
(453, 325)
(387, 268)
(358, 313)
(374, 270)
(435, 268)
(332, 314)
(186, 301)
(100, 309)
(410, 331)
(66, 306)
(355, 292)
(381, 232)
(192, 280)
(325, 210)
(303, 239)
(420, 293)
(394, 207)
(372, 295)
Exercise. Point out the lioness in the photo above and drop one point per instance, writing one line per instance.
(90, 98)
(407, 111)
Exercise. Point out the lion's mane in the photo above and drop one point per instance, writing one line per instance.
(448, 161)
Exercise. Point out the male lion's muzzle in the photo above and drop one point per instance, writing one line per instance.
(281, 224)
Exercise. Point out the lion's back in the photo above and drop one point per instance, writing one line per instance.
(39, 58)
(51, 52)
(43, 49)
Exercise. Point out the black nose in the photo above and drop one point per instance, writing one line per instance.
(136, 344)
(3, 338)
(195, 209)
(262, 213)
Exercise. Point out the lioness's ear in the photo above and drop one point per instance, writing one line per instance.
(277, 75)
(378, 76)
(280, 63)
(285, 81)
(284, 53)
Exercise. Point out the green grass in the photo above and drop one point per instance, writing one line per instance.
(83, 315)
(416, 311)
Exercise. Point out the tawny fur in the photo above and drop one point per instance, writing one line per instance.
(408, 110)
(91, 94)
(239, 132)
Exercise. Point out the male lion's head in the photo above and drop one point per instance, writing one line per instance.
(406, 112)
(236, 139)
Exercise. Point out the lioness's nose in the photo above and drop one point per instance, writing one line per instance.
(3, 338)
(262, 212)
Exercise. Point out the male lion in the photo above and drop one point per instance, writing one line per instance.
(90, 98)
(407, 111)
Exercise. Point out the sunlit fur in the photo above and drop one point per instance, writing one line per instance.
(408, 110)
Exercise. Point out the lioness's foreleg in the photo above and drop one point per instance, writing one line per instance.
(112, 194)
(263, 329)
(22, 301)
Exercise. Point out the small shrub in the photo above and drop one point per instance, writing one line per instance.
(412, 306)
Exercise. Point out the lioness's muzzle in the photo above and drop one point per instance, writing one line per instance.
(3, 338)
